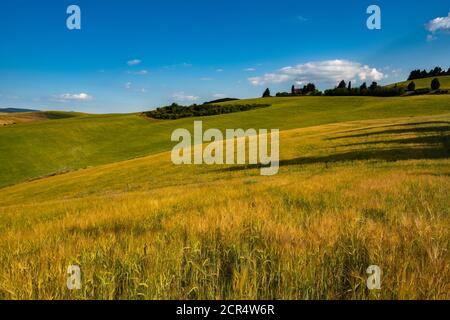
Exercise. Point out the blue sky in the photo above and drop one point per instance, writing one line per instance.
(135, 55)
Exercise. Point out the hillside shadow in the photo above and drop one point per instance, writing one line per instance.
(431, 140)
(387, 155)
(439, 129)
(434, 146)
(411, 124)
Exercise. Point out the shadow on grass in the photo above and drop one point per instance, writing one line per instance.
(396, 125)
(388, 155)
(439, 129)
(431, 147)
(432, 140)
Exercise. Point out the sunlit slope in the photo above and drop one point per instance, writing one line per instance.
(348, 195)
(426, 83)
(43, 148)
(372, 140)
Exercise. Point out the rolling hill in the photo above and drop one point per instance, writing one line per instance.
(425, 83)
(37, 149)
(13, 118)
(16, 110)
(349, 194)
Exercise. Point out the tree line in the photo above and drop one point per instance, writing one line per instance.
(374, 89)
(176, 111)
(421, 74)
(347, 89)
(342, 89)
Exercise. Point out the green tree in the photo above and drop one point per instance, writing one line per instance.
(310, 87)
(373, 86)
(363, 87)
(435, 84)
(411, 86)
(342, 85)
(266, 93)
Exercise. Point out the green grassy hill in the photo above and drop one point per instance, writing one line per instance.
(425, 83)
(391, 140)
(36, 149)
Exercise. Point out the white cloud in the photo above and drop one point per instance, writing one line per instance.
(436, 25)
(249, 69)
(301, 18)
(430, 38)
(219, 95)
(66, 97)
(139, 73)
(134, 62)
(174, 66)
(182, 97)
(440, 23)
(329, 71)
(130, 86)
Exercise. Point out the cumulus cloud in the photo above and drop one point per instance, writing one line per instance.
(329, 71)
(436, 25)
(134, 62)
(440, 23)
(182, 97)
(67, 97)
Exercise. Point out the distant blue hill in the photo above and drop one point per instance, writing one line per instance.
(11, 110)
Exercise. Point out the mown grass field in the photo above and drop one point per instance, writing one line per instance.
(37, 149)
(362, 181)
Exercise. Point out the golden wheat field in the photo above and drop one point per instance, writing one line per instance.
(348, 195)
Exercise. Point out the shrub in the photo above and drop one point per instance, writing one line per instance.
(283, 94)
(423, 91)
(435, 84)
(176, 111)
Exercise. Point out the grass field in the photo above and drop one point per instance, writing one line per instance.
(426, 83)
(44, 148)
(362, 181)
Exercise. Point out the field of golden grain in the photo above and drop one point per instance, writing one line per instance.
(348, 195)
